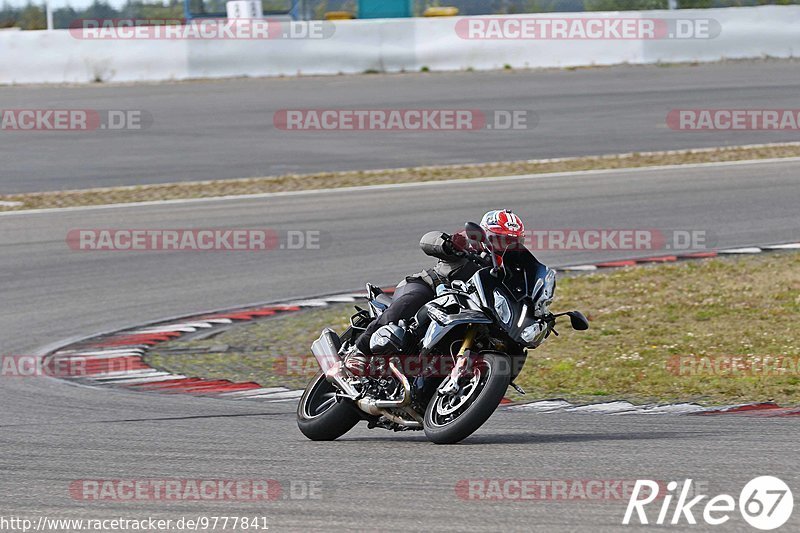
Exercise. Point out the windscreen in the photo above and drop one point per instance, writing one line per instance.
(521, 270)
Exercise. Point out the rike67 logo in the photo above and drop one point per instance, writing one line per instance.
(765, 503)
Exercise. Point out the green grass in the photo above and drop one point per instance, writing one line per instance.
(642, 319)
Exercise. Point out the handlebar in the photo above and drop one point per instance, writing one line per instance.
(471, 256)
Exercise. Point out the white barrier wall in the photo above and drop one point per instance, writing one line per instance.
(390, 45)
(58, 57)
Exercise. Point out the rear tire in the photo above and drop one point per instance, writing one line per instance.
(475, 413)
(320, 416)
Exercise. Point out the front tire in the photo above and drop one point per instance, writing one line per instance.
(451, 419)
(320, 416)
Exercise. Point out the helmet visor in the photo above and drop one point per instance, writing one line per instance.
(500, 243)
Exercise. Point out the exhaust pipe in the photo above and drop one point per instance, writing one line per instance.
(411, 424)
(379, 407)
(326, 349)
(326, 352)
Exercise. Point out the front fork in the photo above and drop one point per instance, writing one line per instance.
(463, 364)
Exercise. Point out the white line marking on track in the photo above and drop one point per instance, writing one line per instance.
(609, 407)
(132, 373)
(308, 303)
(345, 190)
(579, 268)
(668, 409)
(149, 379)
(126, 346)
(789, 246)
(187, 327)
(543, 406)
(277, 395)
(252, 392)
(124, 379)
(119, 351)
(617, 408)
(343, 298)
(99, 357)
(165, 329)
(748, 250)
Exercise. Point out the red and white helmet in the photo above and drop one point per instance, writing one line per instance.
(504, 229)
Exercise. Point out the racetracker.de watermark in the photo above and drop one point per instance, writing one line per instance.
(195, 240)
(734, 119)
(184, 523)
(379, 365)
(580, 28)
(71, 120)
(579, 490)
(624, 239)
(233, 29)
(176, 490)
(434, 120)
(734, 365)
(601, 239)
(32, 366)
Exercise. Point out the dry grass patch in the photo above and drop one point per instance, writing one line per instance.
(300, 182)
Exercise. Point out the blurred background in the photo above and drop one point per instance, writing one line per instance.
(31, 15)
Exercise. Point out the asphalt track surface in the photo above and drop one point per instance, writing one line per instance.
(52, 433)
(224, 129)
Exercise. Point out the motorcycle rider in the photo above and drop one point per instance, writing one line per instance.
(503, 229)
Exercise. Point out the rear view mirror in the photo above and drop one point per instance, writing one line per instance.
(578, 321)
(475, 232)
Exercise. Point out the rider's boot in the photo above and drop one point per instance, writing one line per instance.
(356, 362)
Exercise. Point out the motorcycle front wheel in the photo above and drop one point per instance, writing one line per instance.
(452, 418)
(320, 416)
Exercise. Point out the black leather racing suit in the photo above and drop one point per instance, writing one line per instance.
(417, 290)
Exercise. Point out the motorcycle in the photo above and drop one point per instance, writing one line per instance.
(468, 346)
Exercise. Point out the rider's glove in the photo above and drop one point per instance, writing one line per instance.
(459, 242)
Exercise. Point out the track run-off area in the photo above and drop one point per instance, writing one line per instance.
(54, 434)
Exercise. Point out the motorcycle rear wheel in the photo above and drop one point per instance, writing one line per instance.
(320, 416)
(450, 419)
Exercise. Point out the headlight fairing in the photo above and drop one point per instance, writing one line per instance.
(534, 334)
(502, 308)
